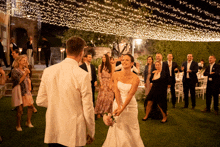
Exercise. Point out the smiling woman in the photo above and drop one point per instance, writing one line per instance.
(125, 109)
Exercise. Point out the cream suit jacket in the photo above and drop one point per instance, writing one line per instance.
(65, 90)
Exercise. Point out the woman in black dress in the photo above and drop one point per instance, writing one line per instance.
(156, 95)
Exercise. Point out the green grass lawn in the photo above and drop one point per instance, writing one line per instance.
(185, 128)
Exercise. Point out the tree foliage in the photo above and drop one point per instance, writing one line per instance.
(200, 50)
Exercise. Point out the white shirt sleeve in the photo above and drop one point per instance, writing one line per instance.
(118, 67)
(135, 69)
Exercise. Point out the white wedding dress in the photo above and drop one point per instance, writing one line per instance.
(125, 132)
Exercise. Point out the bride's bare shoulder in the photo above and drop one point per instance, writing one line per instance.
(136, 78)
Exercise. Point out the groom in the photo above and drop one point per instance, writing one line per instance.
(65, 90)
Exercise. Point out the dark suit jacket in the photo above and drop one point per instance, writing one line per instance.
(2, 54)
(93, 72)
(192, 75)
(146, 72)
(215, 77)
(165, 70)
(174, 66)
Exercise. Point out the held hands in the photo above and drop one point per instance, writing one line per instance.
(117, 111)
(212, 73)
(27, 71)
(176, 69)
(169, 86)
(95, 84)
(189, 71)
(182, 68)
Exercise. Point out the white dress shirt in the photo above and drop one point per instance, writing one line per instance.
(89, 70)
(188, 68)
(170, 67)
(211, 65)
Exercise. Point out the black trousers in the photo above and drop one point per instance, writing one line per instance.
(55, 145)
(173, 93)
(5, 61)
(47, 56)
(212, 90)
(188, 85)
(93, 93)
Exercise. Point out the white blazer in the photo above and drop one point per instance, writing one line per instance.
(65, 90)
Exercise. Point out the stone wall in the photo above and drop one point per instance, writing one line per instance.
(30, 26)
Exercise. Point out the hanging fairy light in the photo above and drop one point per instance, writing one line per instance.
(101, 18)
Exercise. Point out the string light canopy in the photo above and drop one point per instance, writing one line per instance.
(140, 21)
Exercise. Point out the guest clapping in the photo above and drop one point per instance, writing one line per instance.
(105, 95)
(173, 68)
(190, 79)
(213, 73)
(21, 96)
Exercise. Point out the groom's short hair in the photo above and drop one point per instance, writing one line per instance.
(75, 45)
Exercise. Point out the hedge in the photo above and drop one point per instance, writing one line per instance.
(200, 50)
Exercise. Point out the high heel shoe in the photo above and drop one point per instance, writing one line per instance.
(18, 128)
(163, 121)
(29, 125)
(144, 119)
(35, 110)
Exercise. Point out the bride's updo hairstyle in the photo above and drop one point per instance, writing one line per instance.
(131, 57)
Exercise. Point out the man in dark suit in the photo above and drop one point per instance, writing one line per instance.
(2, 54)
(190, 79)
(87, 66)
(46, 50)
(213, 73)
(165, 69)
(173, 68)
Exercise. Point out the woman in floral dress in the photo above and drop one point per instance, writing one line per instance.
(105, 95)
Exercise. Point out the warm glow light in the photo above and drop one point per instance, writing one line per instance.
(138, 41)
(107, 19)
(20, 50)
(39, 49)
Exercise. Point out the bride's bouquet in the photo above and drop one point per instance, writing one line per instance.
(109, 119)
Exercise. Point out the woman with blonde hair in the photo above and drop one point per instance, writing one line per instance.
(156, 95)
(21, 96)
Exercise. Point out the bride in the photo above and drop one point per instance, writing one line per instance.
(125, 132)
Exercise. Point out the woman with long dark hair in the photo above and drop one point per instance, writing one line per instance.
(105, 95)
(125, 132)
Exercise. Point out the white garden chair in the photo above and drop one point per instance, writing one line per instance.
(179, 90)
(201, 89)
